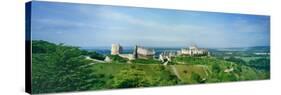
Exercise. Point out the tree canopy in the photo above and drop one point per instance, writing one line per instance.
(57, 68)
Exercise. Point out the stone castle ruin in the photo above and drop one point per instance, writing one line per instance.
(166, 56)
(139, 52)
(116, 49)
(142, 52)
(193, 51)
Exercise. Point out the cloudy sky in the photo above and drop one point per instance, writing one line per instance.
(99, 26)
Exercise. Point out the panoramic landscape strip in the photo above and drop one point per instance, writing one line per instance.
(88, 70)
(81, 47)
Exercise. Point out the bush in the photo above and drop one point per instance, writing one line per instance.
(129, 78)
(96, 55)
(117, 59)
(196, 78)
(216, 68)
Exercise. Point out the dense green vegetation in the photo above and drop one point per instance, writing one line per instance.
(261, 63)
(95, 55)
(246, 56)
(133, 75)
(57, 68)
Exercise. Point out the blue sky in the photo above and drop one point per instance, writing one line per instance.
(88, 25)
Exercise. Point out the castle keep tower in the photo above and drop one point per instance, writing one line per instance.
(116, 49)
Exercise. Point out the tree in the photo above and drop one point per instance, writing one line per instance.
(60, 69)
(95, 55)
(40, 46)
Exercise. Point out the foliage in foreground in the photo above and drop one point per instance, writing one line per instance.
(57, 68)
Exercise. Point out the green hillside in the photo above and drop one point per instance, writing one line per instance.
(60, 68)
(189, 71)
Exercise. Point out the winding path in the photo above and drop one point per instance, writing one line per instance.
(175, 71)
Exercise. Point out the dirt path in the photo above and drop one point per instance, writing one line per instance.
(95, 60)
(175, 71)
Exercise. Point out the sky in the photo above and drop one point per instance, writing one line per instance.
(88, 25)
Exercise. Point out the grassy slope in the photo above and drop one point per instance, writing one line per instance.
(202, 66)
(107, 68)
(240, 72)
(185, 72)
